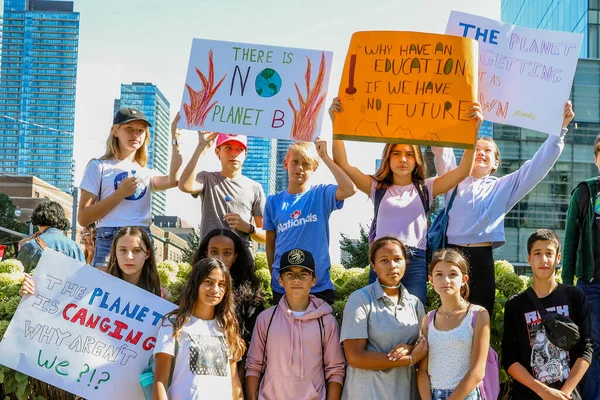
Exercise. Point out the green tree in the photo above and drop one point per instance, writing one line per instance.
(10, 221)
(357, 250)
(193, 241)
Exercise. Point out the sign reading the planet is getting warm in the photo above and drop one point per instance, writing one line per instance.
(255, 90)
(408, 87)
(525, 75)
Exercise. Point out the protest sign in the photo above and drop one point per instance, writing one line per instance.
(83, 330)
(525, 75)
(255, 90)
(408, 87)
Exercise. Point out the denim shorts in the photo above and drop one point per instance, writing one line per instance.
(104, 239)
(443, 394)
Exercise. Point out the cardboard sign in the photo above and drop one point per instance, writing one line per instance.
(408, 87)
(255, 90)
(83, 331)
(525, 75)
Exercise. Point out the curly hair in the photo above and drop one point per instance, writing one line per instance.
(149, 280)
(50, 213)
(224, 312)
(243, 271)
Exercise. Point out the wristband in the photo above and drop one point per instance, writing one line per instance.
(252, 229)
(410, 361)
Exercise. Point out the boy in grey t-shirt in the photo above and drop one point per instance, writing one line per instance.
(229, 199)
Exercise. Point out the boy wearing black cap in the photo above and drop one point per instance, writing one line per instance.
(229, 199)
(300, 336)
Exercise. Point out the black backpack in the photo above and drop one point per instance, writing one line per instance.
(584, 200)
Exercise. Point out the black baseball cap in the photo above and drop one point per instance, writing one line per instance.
(125, 115)
(297, 258)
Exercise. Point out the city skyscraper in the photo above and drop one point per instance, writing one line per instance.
(147, 98)
(37, 90)
(282, 178)
(546, 205)
(261, 162)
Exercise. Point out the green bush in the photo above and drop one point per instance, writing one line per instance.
(502, 267)
(260, 261)
(509, 284)
(11, 266)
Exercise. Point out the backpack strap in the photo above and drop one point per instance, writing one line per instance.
(321, 329)
(379, 193)
(41, 243)
(264, 366)
(423, 194)
(474, 318)
(430, 317)
(174, 356)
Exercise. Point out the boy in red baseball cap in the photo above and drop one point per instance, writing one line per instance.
(229, 199)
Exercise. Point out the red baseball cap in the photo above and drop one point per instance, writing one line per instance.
(226, 137)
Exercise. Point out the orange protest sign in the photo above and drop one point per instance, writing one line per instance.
(408, 87)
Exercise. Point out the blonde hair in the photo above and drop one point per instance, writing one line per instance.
(112, 147)
(496, 152)
(384, 175)
(307, 152)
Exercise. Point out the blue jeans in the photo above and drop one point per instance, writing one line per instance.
(415, 276)
(443, 394)
(590, 384)
(104, 239)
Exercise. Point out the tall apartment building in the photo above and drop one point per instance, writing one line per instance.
(150, 100)
(38, 74)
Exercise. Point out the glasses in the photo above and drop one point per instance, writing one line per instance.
(291, 276)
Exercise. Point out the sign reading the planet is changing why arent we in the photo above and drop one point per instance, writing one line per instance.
(408, 87)
(255, 90)
(83, 330)
(525, 75)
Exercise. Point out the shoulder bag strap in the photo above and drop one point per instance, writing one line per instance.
(41, 243)
(537, 302)
(583, 202)
(451, 201)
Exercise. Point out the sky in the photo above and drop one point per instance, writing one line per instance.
(124, 41)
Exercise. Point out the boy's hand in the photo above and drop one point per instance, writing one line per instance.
(336, 106)
(236, 222)
(321, 146)
(206, 138)
(568, 114)
(175, 133)
(554, 394)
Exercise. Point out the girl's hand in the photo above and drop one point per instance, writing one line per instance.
(206, 138)
(321, 146)
(476, 113)
(336, 106)
(27, 287)
(175, 133)
(568, 114)
(420, 350)
(400, 351)
(127, 187)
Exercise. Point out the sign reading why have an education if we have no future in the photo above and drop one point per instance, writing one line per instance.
(255, 90)
(408, 87)
(525, 75)
(83, 330)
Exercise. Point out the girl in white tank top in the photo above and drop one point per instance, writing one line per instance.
(455, 364)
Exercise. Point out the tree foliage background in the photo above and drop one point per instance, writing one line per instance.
(356, 252)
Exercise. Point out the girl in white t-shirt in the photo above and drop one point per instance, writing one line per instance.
(402, 211)
(115, 189)
(208, 340)
(455, 364)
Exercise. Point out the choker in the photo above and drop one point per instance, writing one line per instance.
(390, 287)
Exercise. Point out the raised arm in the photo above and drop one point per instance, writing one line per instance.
(164, 182)
(187, 181)
(345, 186)
(362, 181)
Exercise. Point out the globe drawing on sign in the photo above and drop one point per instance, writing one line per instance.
(268, 83)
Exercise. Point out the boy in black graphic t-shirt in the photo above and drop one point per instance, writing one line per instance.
(541, 369)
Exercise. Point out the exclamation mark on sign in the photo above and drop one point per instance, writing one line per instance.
(351, 89)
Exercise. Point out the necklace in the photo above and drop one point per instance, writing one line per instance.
(390, 287)
(448, 315)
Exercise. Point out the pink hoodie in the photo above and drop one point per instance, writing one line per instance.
(294, 355)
